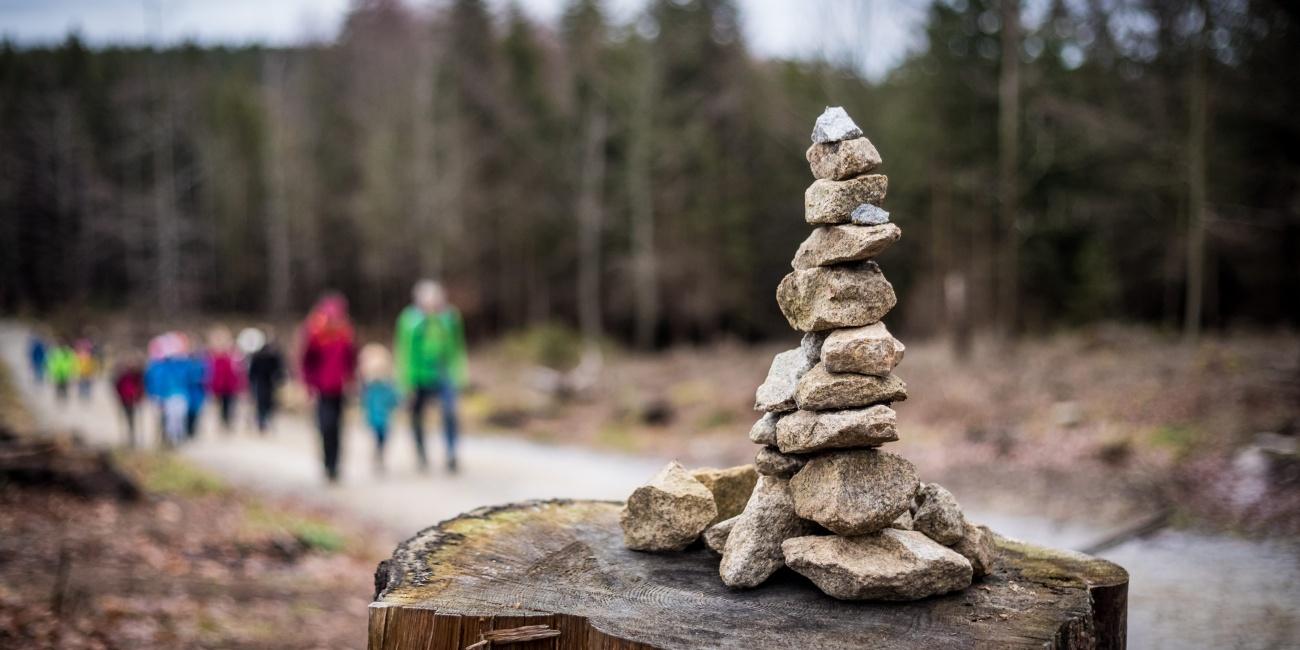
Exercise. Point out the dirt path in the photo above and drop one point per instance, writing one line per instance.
(493, 470)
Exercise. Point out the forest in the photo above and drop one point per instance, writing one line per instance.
(1051, 163)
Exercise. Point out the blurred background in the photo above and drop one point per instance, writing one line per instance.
(1098, 279)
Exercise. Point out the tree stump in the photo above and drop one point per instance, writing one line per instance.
(555, 574)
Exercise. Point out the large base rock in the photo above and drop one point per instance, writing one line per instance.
(830, 245)
(854, 492)
(730, 487)
(826, 203)
(753, 549)
(803, 432)
(890, 565)
(869, 350)
(668, 513)
(821, 390)
(830, 297)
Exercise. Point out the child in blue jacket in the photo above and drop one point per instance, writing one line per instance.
(378, 395)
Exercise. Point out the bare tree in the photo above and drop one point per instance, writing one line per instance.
(1197, 108)
(641, 196)
(1008, 166)
(279, 250)
(590, 211)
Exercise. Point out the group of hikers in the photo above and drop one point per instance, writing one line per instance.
(428, 363)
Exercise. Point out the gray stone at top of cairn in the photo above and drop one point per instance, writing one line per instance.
(833, 125)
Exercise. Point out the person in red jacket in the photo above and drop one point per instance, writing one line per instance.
(128, 383)
(328, 363)
(224, 374)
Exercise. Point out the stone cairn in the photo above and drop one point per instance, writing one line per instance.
(825, 500)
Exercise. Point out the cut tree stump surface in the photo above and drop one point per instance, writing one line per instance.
(562, 565)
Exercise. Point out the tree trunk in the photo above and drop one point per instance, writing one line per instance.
(537, 568)
(278, 246)
(167, 232)
(590, 217)
(641, 196)
(1008, 168)
(424, 170)
(1197, 109)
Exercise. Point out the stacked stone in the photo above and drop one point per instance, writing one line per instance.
(828, 502)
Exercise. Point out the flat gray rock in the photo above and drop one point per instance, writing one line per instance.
(830, 297)
(821, 390)
(827, 203)
(840, 160)
(854, 492)
(868, 215)
(753, 549)
(937, 514)
(764, 431)
(730, 487)
(889, 565)
(867, 350)
(833, 125)
(715, 536)
(776, 394)
(978, 548)
(830, 245)
(803, 432)
(811, 345)
(668, 513)
(769, 461)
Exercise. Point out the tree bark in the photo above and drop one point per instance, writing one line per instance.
(278, 247)
(562, 565)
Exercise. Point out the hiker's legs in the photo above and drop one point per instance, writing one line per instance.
(328, 411)
(227, 411)
(450, 420)
(417, 423)
(129, 411)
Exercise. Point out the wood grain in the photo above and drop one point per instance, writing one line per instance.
(562, 564)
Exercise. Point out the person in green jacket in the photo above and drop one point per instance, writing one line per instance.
(61, 367)
(429, 350)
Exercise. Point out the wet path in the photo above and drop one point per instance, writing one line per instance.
(1187, 590)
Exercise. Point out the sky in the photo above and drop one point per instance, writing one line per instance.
(878, 33)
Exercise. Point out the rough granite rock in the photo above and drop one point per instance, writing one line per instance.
(821, 390)
(827, 203)
(811, 344)
(829, 245)
(777, 391)
(854, 492)
(889, 565)
(831, 297)
(764, 431)
(668, 513)
(904, 522)
(868, 215)
(840, 160)
(715, 536)
(869, 350)
(730, 488)
(833, 125)
(977, 547)
(753, 549)
(803, 432)
(938, 515)
(769, 461)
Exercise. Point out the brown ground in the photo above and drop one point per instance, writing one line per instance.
(192, 564)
